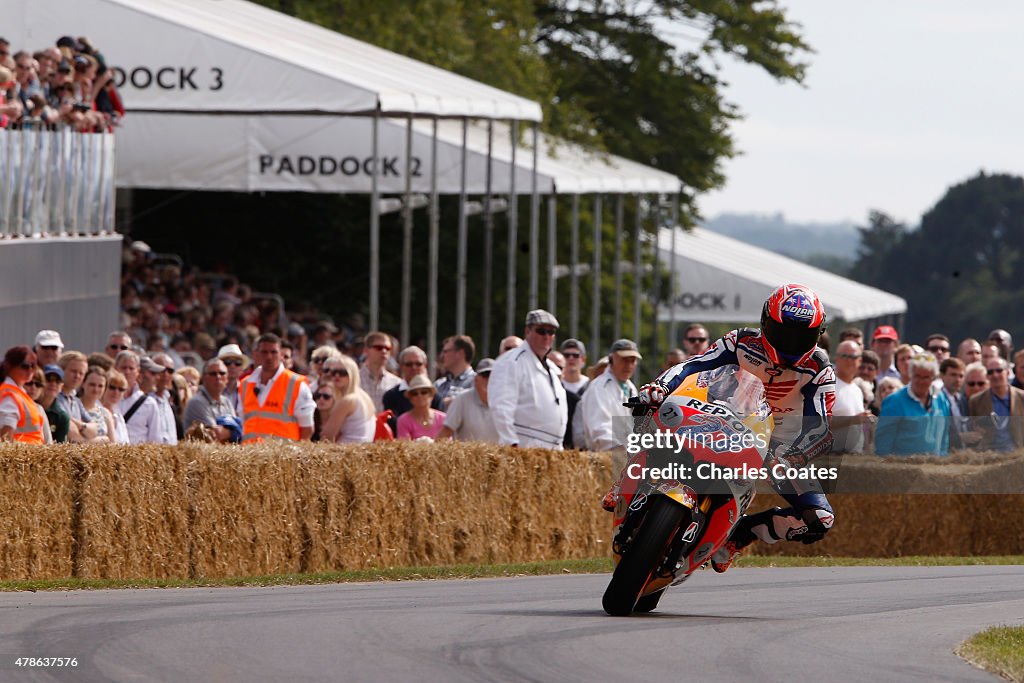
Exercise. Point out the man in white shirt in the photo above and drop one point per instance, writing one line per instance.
(374, 377)
(606, 421)
(848, 413)
(138, 408)
(525, 392)
(162, 389)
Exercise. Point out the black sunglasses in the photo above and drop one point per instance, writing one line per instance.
(119, 347)
(318, 396)
(337, 373)
(545, 331)
(232, 362)
(696, 340)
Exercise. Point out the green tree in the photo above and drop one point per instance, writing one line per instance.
(961, 272)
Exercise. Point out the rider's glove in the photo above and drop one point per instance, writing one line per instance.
(653, 393)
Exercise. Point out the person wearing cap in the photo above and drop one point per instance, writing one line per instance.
(575, 354)
(275, 402)
(605, 419)
(469, 416)
(236, 362)
(60, 422)
(412, 361)
(884, 342)
(137, 407)
(21, 418)
(48, 347)
(456, 357)
(525, 393)
(421, 421)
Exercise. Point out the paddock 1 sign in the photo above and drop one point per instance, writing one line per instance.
(323, 165)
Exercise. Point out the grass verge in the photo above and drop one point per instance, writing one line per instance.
(478, 571)
(999, 649)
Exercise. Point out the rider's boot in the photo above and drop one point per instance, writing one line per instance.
(740, 538)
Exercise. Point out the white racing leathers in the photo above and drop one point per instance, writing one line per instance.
(801, 400)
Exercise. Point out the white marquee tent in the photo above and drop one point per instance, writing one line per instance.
(721, 279)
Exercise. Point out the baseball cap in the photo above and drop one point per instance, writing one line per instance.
(141, 247)
(885, 332)
(484, 366)
(625, 348)
(573, 344)
(49, 338)
(53, 370)
(541, 317)
(148, 364)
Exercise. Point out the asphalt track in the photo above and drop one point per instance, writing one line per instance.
(808, 624)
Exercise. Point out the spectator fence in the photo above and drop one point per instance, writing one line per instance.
(56, 182)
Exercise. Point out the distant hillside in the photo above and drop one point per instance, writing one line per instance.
(799, 240)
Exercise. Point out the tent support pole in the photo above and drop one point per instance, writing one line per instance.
(595, 278)
(460, 294)
(672, 339)
(617, 333)
(433, 257)
(407, 238)
(513, 237)
(552, 247)
(574, 278)
(534, 228)
(637, 275)
(488, 243)
(656, 278)
(375, 227)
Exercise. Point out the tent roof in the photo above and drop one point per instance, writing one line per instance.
(233, 55)
(573, 168)
(742, 276)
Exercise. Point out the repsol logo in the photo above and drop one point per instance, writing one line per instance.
(169, 78)
(328, 165)
(705, 301)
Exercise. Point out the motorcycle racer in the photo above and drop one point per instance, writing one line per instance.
(799, 384)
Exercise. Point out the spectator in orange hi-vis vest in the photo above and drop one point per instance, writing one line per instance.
(21, 419)
(276, 402)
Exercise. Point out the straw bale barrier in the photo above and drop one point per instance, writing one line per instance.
(201, 510)
(134, 512)
(38, 512)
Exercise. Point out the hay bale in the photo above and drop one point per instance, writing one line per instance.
(242, 509)
(38, 494)
(134, 512)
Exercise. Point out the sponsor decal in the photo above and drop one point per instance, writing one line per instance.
(796, 533)
(774, 371)
(638, 502)
(776, 391)
(756, 362)
(690, 533)
(827, 376)
(798, 307)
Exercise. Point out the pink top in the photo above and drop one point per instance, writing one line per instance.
(410, 428)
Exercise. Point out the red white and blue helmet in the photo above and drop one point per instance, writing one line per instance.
(791, 322)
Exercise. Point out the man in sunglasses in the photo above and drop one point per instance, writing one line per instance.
(209, 403)
(575, 354)
(695, 340)
(48, 347)
(374, 377)
(117, 342)
(998, 411)
(412, 361)
(525, 392)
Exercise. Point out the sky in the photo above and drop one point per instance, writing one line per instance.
(902, 99)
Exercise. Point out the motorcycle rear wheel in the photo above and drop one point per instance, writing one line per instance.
(645, 553)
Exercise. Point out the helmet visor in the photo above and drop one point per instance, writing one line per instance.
(790, 341)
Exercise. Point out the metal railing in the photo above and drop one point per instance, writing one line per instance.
(56, 182)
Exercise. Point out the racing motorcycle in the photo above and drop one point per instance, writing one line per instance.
(695, 460)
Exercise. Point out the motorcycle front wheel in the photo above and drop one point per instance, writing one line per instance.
(642, 558)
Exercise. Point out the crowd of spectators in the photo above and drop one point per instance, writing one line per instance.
(189, 341)
(68, 84)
